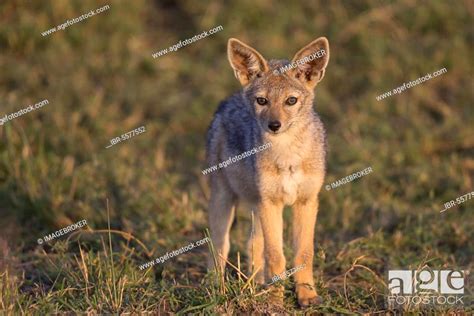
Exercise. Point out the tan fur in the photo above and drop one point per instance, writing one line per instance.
(291, 172)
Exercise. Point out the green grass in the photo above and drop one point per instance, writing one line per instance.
(101, 81)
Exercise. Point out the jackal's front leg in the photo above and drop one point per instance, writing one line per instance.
(271, 220)
(304, 221)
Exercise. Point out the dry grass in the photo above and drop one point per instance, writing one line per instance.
(101, 81)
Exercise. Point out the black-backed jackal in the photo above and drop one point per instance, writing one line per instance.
(275, 106)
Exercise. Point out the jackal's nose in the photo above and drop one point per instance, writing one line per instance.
(274, 125)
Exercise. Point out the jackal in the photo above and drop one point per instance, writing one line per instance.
(275, 106)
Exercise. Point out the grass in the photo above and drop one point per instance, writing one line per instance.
(147, 196)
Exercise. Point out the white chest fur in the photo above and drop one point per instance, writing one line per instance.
(290, 177)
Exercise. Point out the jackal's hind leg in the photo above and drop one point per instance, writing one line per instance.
(221, 214)
(255, 252)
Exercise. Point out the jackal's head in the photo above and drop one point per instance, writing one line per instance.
(279, 92)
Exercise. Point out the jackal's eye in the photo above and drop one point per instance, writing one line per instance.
(262, 101)
(291, 101)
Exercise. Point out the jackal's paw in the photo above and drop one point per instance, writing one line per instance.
(260, 279)
(276, 294)
(307, 296)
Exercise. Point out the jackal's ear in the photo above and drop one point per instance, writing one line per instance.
(246, 61)
(311, 62)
